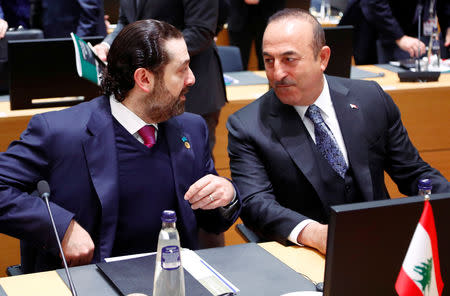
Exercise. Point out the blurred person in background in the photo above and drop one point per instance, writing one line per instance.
(246, 23)
(14, 13)
(58, 18)
(387, 30)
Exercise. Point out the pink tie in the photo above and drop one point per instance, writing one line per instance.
(147, 133)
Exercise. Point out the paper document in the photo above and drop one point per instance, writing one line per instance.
(210, 278)
(88, 65)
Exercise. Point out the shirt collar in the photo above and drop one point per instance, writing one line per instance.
(323, 102)
(129, 120)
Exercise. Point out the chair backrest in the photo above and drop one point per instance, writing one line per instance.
(230, 58)
(21, 34)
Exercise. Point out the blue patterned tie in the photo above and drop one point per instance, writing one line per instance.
(325, 141)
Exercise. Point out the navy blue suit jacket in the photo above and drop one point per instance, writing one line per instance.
(75, 151)
(274, 161)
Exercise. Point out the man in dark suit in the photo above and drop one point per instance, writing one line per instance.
(116, 162)
(390, 28)
(197, 19)
(14, 13)
(246, 22)
(58, 18)
(314, 141)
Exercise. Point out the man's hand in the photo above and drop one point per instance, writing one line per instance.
(411, 45)
(102, 50)
(77, 245)
(314, 235)
(3, 28)
(210, 192)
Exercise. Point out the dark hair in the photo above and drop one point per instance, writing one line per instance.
(138, 45)
(318, 34)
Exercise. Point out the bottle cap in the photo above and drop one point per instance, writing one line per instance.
(425, 184)
(169, 216)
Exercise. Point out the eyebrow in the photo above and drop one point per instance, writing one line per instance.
(286, 53)
(185, 62)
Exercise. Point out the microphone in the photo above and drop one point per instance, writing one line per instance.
(44, 193)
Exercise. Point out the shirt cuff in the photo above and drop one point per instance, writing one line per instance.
(297, 229)
(232, 202)
(106, 44)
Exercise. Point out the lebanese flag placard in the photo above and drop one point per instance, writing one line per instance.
(420, 273)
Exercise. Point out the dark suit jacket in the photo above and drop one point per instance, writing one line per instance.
(386, 20)
(75, 151)
(274, 161)
(242, 14)
(15, 12)
(61, 17)
(197, 19)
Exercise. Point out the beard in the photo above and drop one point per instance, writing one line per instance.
(162, 104)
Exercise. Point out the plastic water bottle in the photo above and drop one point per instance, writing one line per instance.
(434, 48)
(325, 10)
(169, 274)
(424, 187)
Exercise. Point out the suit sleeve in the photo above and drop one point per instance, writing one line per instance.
(260, 210)
(403, 162)
(443, 11)
(200, 20)
(24, 215)
(379, 14)
(220, 219)
(89, 16)
(121, 23)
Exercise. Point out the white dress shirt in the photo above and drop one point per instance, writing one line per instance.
(130, 121)
(329, 116)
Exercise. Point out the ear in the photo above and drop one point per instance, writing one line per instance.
(324, 56)
(144, 79)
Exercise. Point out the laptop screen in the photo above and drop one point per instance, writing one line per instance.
(340, 41)
(367, 243)
(45, 68)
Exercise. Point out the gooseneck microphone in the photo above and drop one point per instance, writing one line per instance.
(44, 193)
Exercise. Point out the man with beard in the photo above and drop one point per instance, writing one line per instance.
(116, 162)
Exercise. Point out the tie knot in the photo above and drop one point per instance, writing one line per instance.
(313, 113)
(147, 132)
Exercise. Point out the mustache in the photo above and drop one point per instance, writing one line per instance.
(184, 91)
(284, 82)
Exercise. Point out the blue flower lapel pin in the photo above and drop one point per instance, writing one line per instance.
(186, 142)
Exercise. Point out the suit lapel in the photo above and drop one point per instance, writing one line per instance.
(351, 122)
(283, 120)
(182, 159)
(101, 156)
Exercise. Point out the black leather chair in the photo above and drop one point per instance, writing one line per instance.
(248, 234)
(230, 58)
(13, 34)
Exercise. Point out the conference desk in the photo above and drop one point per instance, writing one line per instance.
(247, 277)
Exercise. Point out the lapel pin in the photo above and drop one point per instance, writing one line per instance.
(353, 106)
(186, 142)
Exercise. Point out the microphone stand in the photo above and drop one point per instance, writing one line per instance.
(69, 278)
(419, 33)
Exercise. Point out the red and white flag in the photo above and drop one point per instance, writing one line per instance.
(420, 273)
